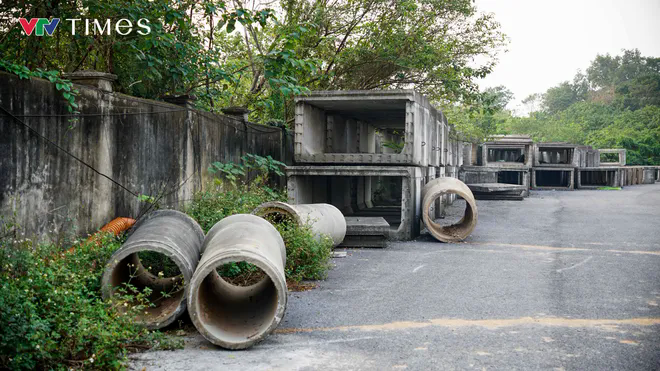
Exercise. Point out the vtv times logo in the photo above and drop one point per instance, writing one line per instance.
(90, 26)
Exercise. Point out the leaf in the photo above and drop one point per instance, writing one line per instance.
(231, 25)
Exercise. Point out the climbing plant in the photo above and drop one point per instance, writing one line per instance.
(61, 84)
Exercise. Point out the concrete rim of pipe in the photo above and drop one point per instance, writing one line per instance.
(436, 189)
(324, 219)
(231, 316)
(168, 309)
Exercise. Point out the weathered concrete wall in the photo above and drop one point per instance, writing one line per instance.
(147, 146)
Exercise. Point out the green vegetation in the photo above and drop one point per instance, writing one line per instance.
(232, 193)
(53, 316)
(238, 54)
(609, 188)
(306, 257)
(615, 105)
(65, 86)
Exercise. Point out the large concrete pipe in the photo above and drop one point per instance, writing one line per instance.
(172, 234)
(455, 232)
(322, 218)
(231, 316)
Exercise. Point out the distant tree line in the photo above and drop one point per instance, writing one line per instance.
(616, 104)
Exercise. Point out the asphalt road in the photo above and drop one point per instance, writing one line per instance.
(561, 280)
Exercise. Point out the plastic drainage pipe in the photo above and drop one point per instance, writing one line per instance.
(436, 189)
(236, 317)
(322, 218)
(172, 234)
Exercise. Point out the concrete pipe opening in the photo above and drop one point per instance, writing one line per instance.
(235, 314)
(161, 254)
(323, 219)
(458, 231)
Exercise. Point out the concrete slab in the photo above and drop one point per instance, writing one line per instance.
(498, 191)
(364, 231)
(496, 187)
(366, 225)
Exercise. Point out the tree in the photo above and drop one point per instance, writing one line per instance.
(606, 70)
(248, 54)
(616, 104)
(533, 102)
(559, 98)
(496, 98)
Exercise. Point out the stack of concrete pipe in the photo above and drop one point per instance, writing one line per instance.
(233, 317)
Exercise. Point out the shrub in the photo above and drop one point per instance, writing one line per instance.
(53, 316)
(221, 200)
(307, 257)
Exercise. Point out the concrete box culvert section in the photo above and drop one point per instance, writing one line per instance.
(350, 127)
(232, 316)
(352, 189)
(176, 237)
(445, 186)
(323, 219)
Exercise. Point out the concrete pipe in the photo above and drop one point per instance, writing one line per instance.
(322, 218)
(171, 234)
(232, 316)
(436, 189)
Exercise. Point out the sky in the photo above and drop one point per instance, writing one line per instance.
(551, 39)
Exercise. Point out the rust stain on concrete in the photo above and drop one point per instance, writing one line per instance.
(606, 324)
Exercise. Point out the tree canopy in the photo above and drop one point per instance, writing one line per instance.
(261, 55)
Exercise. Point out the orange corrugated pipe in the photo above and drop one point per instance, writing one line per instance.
(116, 226)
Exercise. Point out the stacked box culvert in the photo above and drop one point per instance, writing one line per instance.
(231, 316)
(323, 219)
(436, 189)
(167, 232)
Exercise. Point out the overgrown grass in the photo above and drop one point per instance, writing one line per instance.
(609, 188)
(52, 315)
(307, 256)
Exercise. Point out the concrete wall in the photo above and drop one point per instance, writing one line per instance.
(147, 146)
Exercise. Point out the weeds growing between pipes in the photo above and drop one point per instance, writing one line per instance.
(307, 257)
(52, 315)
